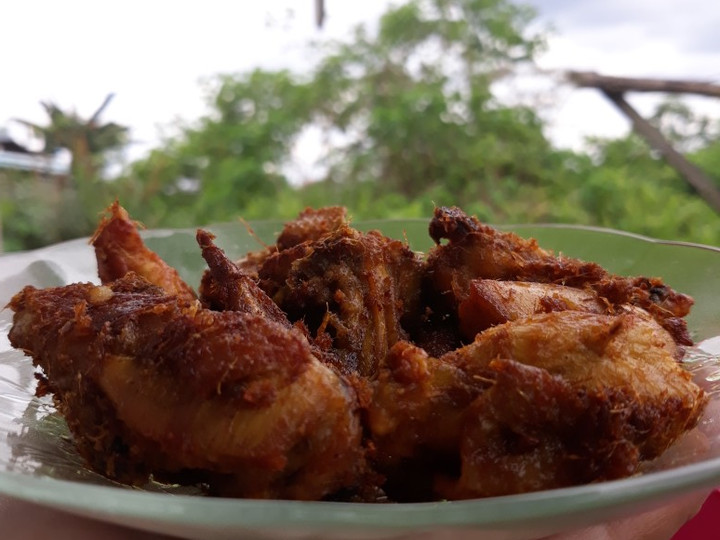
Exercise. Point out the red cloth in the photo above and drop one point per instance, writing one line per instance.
(704, 526)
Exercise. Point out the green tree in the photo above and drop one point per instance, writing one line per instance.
(408, 109)
(88, 140)
(38, 209)
(631, 188)
(409, 118)
(409, 114)
(414, 107)
(686, 130)
(229, 159)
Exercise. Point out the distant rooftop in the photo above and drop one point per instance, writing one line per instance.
(55, 164)
(14, 155)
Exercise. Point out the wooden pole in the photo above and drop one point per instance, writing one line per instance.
(698, 180)
(620, 85)
(319, 13)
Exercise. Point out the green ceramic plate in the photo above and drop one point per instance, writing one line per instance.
(38, 463)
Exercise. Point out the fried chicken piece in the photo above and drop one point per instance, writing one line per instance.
(119, 249)
(490, 302)
(311, 225)
(415, 419)
(152, 384)
(575, 398)
(225, 287)
(477, 251)
(560, 399)
(532, 431)
(353, 290)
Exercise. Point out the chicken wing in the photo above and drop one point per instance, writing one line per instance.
(119, 249)
(560, 399)
(575, 398)
(226, 287)
(477, 251)
(150, 384)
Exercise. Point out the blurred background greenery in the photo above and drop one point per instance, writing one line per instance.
(405, 117)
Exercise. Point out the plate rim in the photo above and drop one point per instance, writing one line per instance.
(503, 512)
(499, 512)
(512, 227)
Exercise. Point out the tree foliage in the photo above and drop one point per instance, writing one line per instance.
(38, 208)
(87, 140)
(408, 117)
(234, 155)
(414, 103)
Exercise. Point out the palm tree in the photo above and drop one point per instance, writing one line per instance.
(73, 205)
(87, 140)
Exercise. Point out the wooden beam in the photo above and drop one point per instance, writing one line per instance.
(620, 85)
(319, 13)
(703, 185)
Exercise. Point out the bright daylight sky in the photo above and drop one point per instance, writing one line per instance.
(152, 54)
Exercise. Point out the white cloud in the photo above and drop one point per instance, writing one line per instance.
(152, 54)
(643, 38)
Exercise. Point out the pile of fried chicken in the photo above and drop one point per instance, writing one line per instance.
(342, 365)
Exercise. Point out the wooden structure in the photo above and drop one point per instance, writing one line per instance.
(319, 13)
(614, 88)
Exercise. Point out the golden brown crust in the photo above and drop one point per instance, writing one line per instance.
(119, 249)
(477, 251)
(226, 287)
(353, 290)
(168, 387)
(490, 302)
(311, 225)
(340, 364)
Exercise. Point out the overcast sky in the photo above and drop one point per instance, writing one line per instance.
(634, 38)
(152, 54)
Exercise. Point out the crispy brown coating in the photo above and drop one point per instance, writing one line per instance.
(477, 251)
(532, 430)
(560, 399)
(417, 408)
(332, 364)
(353, 290)
(311, 225)
(576, 397)
(489, 302)
(168, 387)
(629, 349)
(119, 249)
(226, 287)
